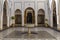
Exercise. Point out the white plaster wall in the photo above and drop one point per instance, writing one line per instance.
(0, 12)
(22, 5)
(44, 6)
(51, 12)
(2, 3)
(59, 14)
(17, 5)
(57, 2)
(29, 4)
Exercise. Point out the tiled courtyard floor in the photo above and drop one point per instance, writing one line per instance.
(42, 34)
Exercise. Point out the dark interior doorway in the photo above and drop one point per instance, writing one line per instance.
(54, 16)
(18, 18)
(41, 17)
(29, 17)
(4, 15)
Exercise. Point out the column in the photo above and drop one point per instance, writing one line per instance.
(22, 13)
(36, 13)
(22, 18)
(57, 13)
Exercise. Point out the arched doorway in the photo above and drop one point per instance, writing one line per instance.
(41, 17)
(4, 15)
(54, 16)
(18, 18)
(29, 16)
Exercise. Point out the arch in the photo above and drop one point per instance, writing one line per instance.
(41, 17)
(4, 15)
(41, 12)
(18, 11)
(18, 17)
(29, 13)
(54, 15)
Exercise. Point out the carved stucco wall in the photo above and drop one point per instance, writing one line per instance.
(22, 5)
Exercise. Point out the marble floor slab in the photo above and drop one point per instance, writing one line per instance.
(39, 35)
(42, 34)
